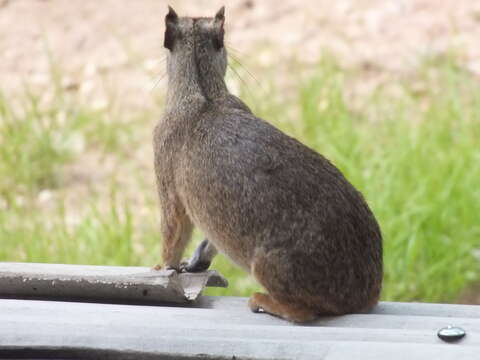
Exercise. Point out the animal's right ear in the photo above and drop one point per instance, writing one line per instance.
(219, 21)
(171, 21)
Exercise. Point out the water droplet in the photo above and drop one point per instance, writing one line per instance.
(451, 333)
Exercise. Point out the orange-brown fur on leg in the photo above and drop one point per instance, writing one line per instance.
(285, 299)
(291, 312)
(176, 230)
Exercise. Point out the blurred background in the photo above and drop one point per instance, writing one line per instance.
(389, 90)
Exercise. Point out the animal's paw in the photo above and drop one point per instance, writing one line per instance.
(167, 267)
(254, 305)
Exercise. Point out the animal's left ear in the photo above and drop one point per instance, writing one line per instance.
(171, 21)
(220, 15)
(219, 21)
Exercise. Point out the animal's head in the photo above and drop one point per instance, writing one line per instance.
(201, 38)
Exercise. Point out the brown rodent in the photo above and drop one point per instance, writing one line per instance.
(275, 207)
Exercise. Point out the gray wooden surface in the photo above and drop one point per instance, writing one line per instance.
(224, 328)
(103, 283)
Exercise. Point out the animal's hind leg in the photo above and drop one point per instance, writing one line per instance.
(288, 311)
(269, 272)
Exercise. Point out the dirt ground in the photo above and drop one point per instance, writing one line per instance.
(119, 42)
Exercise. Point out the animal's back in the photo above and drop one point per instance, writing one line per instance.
(253, 189)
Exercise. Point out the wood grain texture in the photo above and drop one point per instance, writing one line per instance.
(103, 283)
(220, 328)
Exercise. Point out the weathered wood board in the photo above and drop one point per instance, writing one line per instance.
(208, 328)
(224, 328)
(103, 283)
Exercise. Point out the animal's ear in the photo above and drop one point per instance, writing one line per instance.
(171, 21)
(171, 16)
(219, 21)
(220, 15)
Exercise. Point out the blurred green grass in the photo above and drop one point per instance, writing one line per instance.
(414, 154)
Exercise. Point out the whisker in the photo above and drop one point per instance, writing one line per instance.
(158, 81)
(248, 72)
(243, 82)
(229, 47)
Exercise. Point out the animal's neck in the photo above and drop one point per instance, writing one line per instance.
(192, 79)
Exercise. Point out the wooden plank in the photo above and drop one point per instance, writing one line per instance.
(224, 326)
(427, 309)
(233, 303)
(210, 328)
(221, 332)
(103, 283)
(246, 318)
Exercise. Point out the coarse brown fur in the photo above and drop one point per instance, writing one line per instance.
(275, 207)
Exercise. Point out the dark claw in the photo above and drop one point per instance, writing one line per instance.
(196, 263)
(197, 266)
